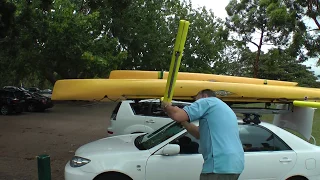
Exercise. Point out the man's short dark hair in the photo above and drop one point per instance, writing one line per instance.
(208, 92)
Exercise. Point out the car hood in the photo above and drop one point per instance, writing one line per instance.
(113, 145)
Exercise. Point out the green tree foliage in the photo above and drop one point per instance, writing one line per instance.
(308, 10)
(61, 41)
(302, 8)
(276, 64)
(45, 40)
(280, 65)
(268, 19)
(143, 31)
(236, 59)
(207, 38)
(81, 39)
(7, 10)
(7, 31)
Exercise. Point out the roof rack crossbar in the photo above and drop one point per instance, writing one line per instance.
(260, 111)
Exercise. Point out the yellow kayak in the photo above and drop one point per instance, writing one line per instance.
(135, 74)
(98, 89)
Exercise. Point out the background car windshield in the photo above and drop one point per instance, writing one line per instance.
(150, 140)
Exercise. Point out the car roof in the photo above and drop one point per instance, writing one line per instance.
(7, 90)
(13, 90)
(240, 120)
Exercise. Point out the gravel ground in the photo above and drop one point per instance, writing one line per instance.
(57, 132)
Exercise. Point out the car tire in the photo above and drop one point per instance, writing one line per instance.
(31, 107)
(5, 110)
(297, 178)
(117, 176)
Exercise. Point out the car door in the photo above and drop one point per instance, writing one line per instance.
(266, 155)
(186, 165)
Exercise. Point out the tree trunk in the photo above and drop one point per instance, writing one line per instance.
(256, 62)
(50, 77)
(311, 4)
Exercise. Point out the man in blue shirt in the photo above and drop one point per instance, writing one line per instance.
(218, 132)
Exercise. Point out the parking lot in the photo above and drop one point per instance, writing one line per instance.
(57, 132)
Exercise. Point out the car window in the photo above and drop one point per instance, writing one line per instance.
(157, 111)
(18, 94)
(148, 141)
(256, 138)
(140, 108)
(115, 111)
(10, 94)
(188, 144)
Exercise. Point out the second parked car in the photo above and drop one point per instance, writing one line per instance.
(37, 102)
(10, 102)
(33, 101)
(131, 117)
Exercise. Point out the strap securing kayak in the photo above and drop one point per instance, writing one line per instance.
(160, 74)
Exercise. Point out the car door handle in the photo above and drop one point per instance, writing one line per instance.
(150, 121)
(285, 159)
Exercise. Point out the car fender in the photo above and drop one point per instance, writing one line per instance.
(307, 164)
(138, 128)
(135, 168)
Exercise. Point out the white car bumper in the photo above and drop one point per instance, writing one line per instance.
(71, 173)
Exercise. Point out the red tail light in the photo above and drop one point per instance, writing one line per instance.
(110, 132)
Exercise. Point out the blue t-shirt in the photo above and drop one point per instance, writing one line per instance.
(220, 143)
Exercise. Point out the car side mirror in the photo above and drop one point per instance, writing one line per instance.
(171, 149)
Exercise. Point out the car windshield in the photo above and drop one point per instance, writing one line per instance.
(148, 141)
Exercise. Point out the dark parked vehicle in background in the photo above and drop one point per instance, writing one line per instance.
(10, 102)
(38, 102)
(33, 89)
(34, 101)
(14, 88)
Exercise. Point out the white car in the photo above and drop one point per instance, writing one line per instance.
(167, 153)
(145, 116)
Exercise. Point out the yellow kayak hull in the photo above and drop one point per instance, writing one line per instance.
(98, 89)
(135, 74)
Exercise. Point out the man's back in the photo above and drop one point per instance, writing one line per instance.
(219, 135)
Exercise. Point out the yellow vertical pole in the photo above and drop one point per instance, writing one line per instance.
(176, 59)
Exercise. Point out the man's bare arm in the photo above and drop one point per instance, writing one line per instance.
(176, 113)
(192, 129)
(179, 115)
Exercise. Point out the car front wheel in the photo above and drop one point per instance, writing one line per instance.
(111, 175)
(31, 107)
(4, 110)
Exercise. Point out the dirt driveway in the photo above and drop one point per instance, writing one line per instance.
(57, 132)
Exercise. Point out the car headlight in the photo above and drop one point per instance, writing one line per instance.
(77, 161)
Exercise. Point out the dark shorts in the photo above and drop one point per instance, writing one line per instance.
(213, 176)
